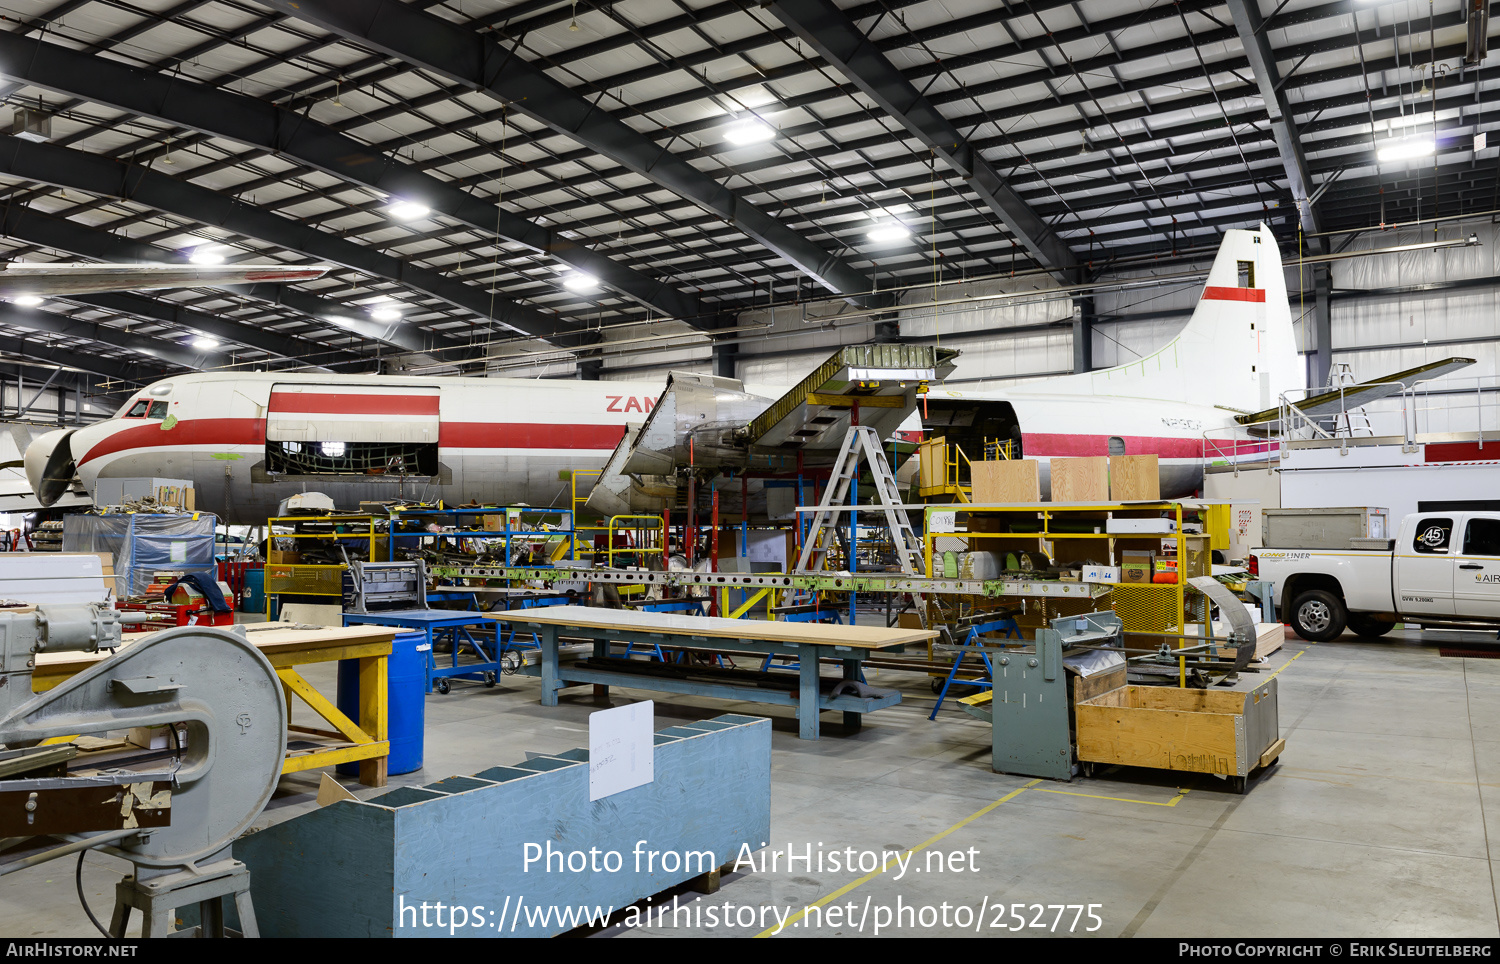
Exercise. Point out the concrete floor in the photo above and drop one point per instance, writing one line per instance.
(1374, 824)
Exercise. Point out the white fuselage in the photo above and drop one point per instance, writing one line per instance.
(498, 441)
(502, 441)
(249, 440)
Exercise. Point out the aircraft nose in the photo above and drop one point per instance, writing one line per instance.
(49, 465)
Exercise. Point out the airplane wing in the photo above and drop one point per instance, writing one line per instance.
(710, 422)
(18, 279)
(1362, 393)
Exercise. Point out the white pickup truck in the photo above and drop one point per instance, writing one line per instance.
(1442, 569)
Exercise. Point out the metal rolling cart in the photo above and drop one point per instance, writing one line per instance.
(1064, 703)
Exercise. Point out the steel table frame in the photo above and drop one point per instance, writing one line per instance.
(808, 700)
(432, 623)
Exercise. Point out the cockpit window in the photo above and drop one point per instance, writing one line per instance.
(146, 408)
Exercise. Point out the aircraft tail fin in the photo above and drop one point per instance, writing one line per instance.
(1238, 351)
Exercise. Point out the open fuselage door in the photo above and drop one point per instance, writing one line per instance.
(365, 431)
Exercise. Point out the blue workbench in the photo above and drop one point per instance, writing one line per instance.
(810, 642)
(436, 623)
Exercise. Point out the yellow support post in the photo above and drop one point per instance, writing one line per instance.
(749, 603)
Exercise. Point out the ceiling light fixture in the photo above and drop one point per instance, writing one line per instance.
(205, 343)
(385, 314)
(26, 301)
(409, 210)
(207, 254)
(580, 282)
(1406, 150)
(749, 131)
(889, 233)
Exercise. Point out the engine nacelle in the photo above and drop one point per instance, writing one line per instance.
(694, 422)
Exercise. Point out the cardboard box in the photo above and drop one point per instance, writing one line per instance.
(1102, 574)
(1136, 566)
(155, 737)
(167, 491)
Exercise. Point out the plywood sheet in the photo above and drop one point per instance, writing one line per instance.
(672, 624)
(1005, 481)
(1080, 480)
(1165, 739)
(931, 454)
(271, 641)
(1134, 478)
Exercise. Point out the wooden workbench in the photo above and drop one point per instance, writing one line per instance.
(366, 742)
(809, 642)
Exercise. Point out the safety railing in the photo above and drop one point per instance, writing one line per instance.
(582, 534)
(643, 535)
(946, 468)
(1237, 450)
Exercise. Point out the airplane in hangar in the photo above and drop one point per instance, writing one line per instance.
(27, 284)
(248, 440)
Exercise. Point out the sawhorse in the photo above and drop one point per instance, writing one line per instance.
(1011, 631)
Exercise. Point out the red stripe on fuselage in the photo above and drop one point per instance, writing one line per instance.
(1234, 294)
(512, 435)
(203, 431)
(1079, 446)
(319, 403)
(252, 431)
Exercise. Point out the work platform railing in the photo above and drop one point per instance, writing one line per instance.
(1442, 410)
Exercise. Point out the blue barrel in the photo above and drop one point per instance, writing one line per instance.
(406, 700)
(253, 596)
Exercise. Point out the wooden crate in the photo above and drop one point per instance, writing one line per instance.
(1005, 482)
(1201, 731)
(1134, 478)
(1080, 480)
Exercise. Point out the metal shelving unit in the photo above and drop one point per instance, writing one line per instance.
(451, 523)
(323, 580)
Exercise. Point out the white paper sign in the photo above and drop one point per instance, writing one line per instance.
(622, 750)
(943, 521)
(178, 551)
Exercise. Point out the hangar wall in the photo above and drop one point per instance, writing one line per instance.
(1404, 309)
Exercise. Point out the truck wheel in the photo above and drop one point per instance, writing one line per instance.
(1369, 627)
(1318, 615)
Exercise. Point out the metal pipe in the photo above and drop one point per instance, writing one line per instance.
(82, 843)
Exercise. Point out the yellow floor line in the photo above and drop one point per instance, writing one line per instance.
(1288, 663)
(894, 861)
(1099, 796)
